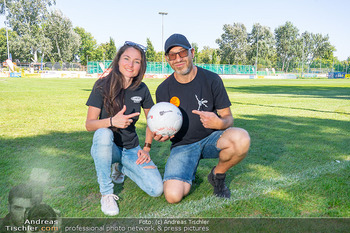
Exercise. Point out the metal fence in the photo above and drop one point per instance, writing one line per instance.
(159, 68)
(63, 66)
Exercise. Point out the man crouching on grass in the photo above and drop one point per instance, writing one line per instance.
(206, 131)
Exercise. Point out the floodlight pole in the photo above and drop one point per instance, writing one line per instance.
(257, 49)
(302, 61)
(7, 34)
(162, 13)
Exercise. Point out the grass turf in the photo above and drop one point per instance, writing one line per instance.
(298, 164)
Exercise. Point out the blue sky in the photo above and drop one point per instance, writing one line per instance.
(201, 21)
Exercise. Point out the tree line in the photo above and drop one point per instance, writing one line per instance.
(37, 34)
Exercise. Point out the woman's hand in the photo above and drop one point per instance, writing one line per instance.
(122, 121)
(144, 157)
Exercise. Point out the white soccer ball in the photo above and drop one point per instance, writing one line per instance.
(164, 119)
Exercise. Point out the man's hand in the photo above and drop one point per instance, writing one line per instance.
(209, 119)
(122, 121)
(161, 138)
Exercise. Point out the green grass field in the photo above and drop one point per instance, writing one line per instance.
(298, 164)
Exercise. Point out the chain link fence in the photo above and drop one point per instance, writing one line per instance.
(159, 68)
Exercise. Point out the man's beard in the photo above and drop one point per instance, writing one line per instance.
(184, 71)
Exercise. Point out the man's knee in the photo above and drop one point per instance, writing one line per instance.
(234, 142)
(175, 190)
(243, 139)
(173, 196)
(237, 136)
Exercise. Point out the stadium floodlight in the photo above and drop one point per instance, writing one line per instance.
(162, 13)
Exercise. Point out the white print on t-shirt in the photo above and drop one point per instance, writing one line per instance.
(136, 99)
(201, 102)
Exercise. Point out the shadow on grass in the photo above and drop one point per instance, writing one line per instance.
(284, 107)
(311, 91)
(281, 144)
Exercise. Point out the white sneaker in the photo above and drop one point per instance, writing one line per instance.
(117, 176)
(109, 205)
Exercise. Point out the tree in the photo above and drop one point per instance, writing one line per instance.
(26, 17)
(105, 51)
(214, 57)
(99, 54)
(88, 45)
(316, 46)
(233, 45)
(65, 42)
(207, 55)
(286, 44)
(159, 56)
(262, 39)
(196, 52)
(150, 52)
(111, 50)
(3, 43)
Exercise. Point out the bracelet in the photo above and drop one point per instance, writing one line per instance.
(110, 120)
(147, 145)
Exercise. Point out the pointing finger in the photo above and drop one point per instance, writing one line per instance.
(132, 115)
(197, 112)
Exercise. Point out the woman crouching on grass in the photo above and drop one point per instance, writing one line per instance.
(114, 108)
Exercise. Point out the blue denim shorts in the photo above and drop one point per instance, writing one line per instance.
(183, 160)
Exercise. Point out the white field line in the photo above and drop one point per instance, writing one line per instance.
(191, 208)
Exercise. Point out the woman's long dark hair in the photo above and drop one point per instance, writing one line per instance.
(113, 84)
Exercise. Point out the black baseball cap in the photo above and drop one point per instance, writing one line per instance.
(176, 40)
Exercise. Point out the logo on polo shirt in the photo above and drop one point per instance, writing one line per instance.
(136, 99)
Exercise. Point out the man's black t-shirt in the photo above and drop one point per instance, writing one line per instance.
(206, 92)
(133, 100)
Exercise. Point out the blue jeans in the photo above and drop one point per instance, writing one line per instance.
(105, 152)
(183, 160)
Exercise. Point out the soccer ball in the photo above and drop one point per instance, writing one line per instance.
(164, 119)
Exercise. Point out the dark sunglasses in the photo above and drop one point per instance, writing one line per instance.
(182, 53)
(130, 43)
